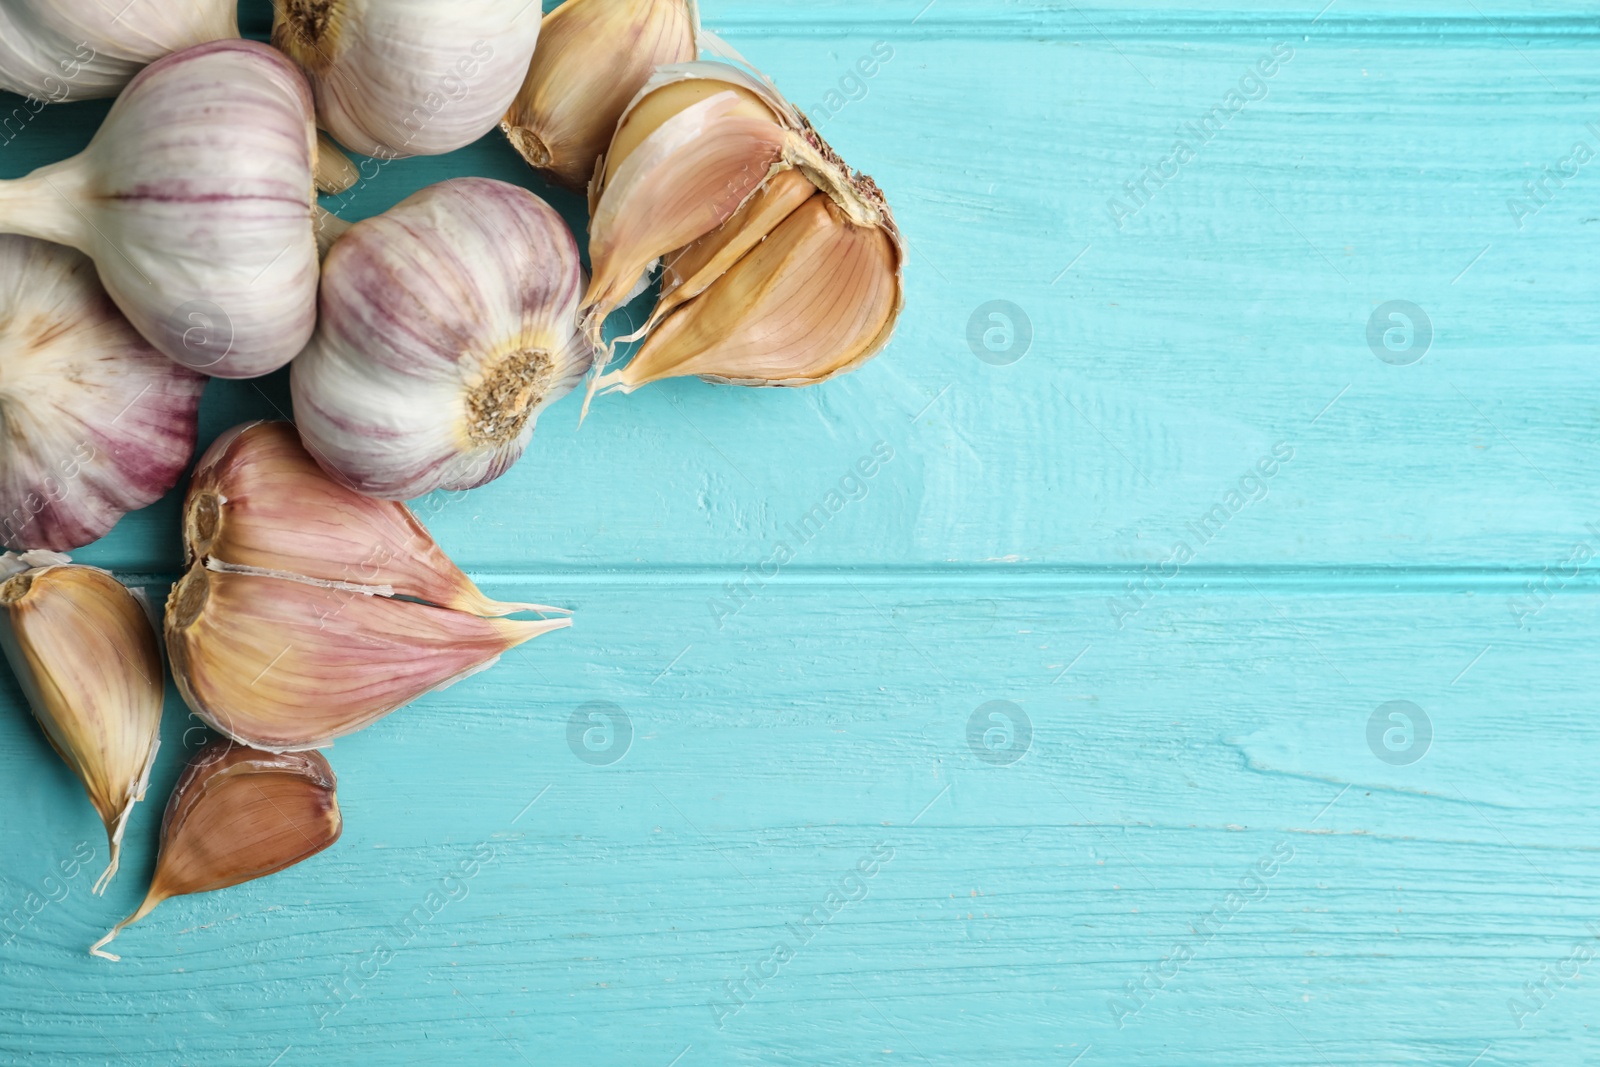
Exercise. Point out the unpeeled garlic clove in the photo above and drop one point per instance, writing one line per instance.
(85, 655)
(286, 664)
(238, 814)
(259, 502)
(97, 422)
(446, 325)
(194, 200)
(57, 50)
(592, 57)
(695, 143)
(408, 77)
(816, 298)
(289, 629)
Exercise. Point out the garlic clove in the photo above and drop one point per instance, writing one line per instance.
(286, 664)
(195, 199)
(817, 298)
(97, 422)
(447, 324)
(58, 50)
(687, 273)
(696, 142)
(409, 77)
(259, 501)
(85, 655)
(238, 814)
(592, 57)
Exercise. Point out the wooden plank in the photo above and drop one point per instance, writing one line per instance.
(1010, 905)
(1228, 315)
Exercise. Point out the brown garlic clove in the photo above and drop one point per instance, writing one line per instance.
(592, 57)
(238, 814)
(85, 655)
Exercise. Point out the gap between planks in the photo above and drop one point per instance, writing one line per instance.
(1029, 580)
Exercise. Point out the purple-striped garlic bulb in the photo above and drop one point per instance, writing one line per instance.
(397, 78)
(94, 422)
(447, 324)
(57, 50)
(194, 199)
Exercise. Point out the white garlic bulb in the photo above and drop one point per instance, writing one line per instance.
(97, 422)
(56, 50)
(446, 325)
(195, 200)
(399, 78)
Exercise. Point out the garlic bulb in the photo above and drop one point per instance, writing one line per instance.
(399, 78)
(55, 50)
(708, 166)
(446, 325)
(194, 200)
(84, 652)
(97, 422)
(289, 629)
(593, 56)
(238, 814)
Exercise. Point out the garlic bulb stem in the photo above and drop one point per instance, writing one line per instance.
(38, 205)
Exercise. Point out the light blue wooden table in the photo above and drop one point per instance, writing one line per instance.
(1195, 499)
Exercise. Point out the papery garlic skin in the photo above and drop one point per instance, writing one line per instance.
(85, 655)
(94, 422)
(195, 199)
(593, 56)
(258, 501)
(57, 50)
(446, 325)
(288, 665)
(396, 78)
(237, 814)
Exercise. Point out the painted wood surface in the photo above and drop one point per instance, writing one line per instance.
(735, 819)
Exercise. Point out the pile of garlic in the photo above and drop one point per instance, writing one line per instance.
(185, 242)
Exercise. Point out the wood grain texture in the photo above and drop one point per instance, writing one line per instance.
(1201, 856)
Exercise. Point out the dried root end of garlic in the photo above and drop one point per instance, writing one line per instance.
(448, 324)
(238, 814)
(85, 655)
(592, 57)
